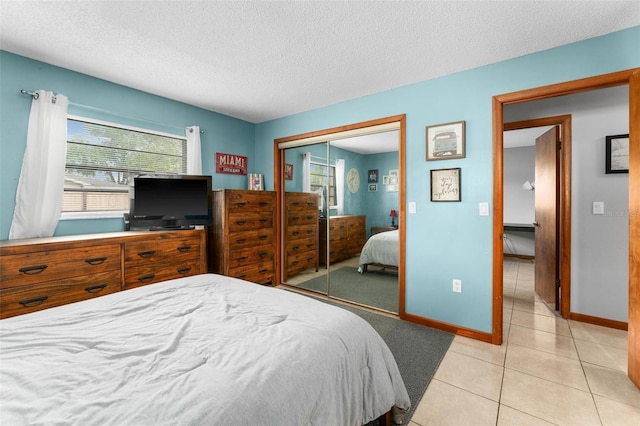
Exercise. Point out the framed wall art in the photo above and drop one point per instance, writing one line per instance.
(373, 176)
(445, 185)
(288, 171)
(617, 154)
(446, 141)
(373, 187)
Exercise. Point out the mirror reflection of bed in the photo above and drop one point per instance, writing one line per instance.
(351, 224)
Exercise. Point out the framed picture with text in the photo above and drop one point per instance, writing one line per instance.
(617, 154)
(445, 185)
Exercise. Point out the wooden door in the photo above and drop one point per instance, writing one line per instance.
(546, 217)
(634, 229)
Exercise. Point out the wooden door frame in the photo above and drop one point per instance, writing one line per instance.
(278, 184)
(564, 208)
(567, 88)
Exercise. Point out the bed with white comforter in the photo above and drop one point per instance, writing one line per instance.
(202, 350)
(381, 249)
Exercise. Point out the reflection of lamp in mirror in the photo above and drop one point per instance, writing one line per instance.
(529, 186)
(393, 215)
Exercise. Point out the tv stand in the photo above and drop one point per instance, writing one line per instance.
(172, 228)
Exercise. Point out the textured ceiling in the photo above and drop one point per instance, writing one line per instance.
(263, 60)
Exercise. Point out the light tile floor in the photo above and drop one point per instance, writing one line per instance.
(548, 370)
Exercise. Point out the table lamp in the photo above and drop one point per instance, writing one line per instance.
(393, 215)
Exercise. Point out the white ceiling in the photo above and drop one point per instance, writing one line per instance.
(260, 60)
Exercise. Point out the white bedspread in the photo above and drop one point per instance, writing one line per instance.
(382, 248)
(202, 350)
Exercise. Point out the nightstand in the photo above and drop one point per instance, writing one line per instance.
(378, 229)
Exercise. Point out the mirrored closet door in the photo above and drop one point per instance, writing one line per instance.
(339, 194)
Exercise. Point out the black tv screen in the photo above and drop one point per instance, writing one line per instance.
(176, 202)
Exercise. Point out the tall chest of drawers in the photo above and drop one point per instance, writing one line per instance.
(40, 273)
(242, 237)
(301, 233)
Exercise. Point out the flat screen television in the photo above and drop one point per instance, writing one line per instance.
(170, 202)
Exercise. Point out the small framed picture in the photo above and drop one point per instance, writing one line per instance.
(445, 141)
(445, 185)
(617, 154)
(373, 176)
(373, 187)
(288, 171)
(385, 180)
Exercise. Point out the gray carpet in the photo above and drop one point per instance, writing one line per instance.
(376, 288)
(418, 350)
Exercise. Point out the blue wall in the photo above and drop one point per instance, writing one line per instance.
(108, 102)
(443, 240)
(450, 240)
(380, 203)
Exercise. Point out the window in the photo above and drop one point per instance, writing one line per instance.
(103, 158)
(323, 175)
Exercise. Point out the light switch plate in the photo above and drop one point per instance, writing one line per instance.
(483, 209)
(598, 207)
(412, 207)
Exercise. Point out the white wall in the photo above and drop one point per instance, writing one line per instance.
(519, 204)
(599, 243)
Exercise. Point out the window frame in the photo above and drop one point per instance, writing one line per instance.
(110, 214)
(332, 183)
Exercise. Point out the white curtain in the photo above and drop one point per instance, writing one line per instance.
(194, 152)
(306, 172)
(41, 181)
(340, 185)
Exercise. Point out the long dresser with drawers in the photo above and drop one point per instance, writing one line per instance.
(40, 273)
(346, 236)
(301, 233)
(242, 238)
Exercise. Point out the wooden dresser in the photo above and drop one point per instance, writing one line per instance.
(40, 273)
(301, 233)
(242, 237)
(347, 235)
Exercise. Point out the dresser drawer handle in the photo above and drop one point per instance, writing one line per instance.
(240, 240)
(295, 263)
(241, 204)
(35, 301)
(263, 203)
(295, 233)
(184, 248)
(32, 270)
(311, 231)
(310, 258)
(242, 258)
(296, 203)
(241, 276)
(95, 288)
(310, 204)
(295, 218)
(184, 270)
(295, 248)
(146, 254)
(96, 260)
(310, 217)
(263, 254)
(146, 278)
(241, 222)
(263, 220)
(263, 271)
(263, 237)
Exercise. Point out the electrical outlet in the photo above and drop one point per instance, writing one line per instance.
(457, 286)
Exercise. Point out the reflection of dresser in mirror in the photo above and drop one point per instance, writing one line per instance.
(347, 235)
(301, 233)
